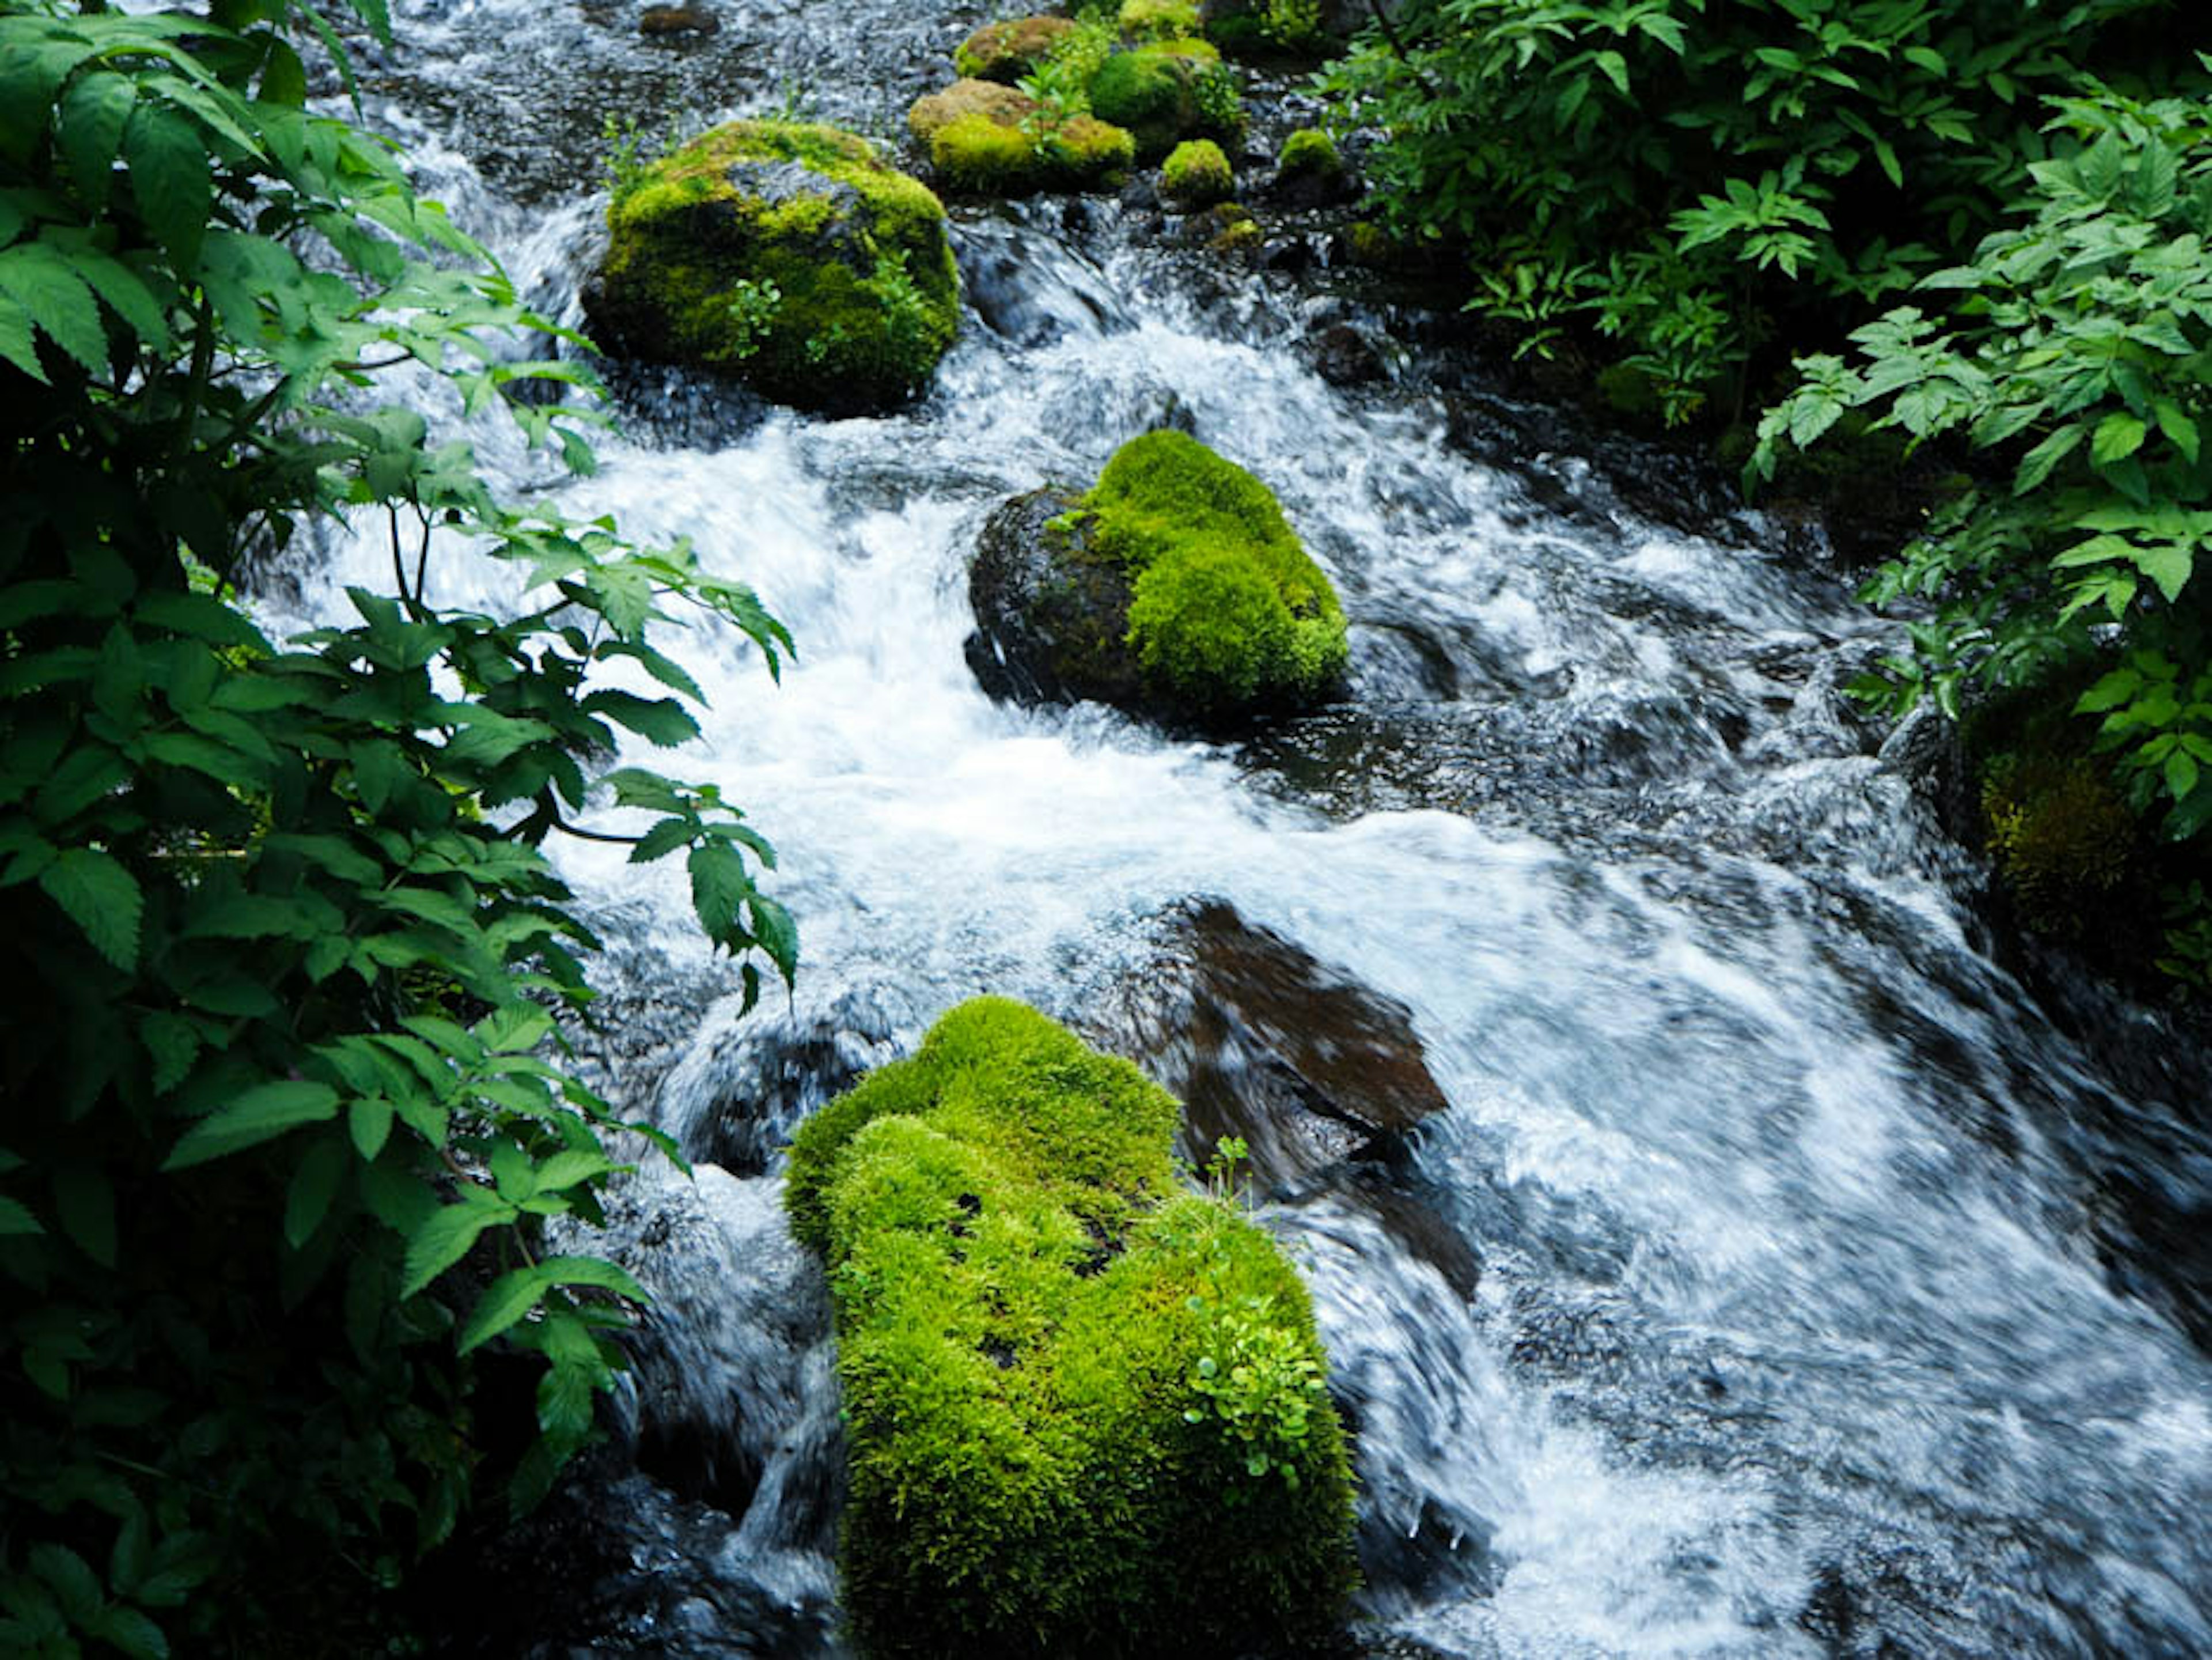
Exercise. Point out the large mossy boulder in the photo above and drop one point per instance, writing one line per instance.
(1010, 49)
(1175, 589)
(788, 256)
(1086, 1410)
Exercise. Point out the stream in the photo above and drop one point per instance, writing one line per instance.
(1772, 1277)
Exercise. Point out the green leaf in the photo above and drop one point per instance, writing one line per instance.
(595, 1272)
(2167, 565)
(314, 1184)
(17, 1219)
(2179, 430)
(2181, 775)
(2036, 465)
(59, 300)
(660, 720)
(720, 886)
(2119, 435)
(445, 1235)
(263, 1112)
(94, 112)
(18, 345)
(101, 897)
(506, 1300)
(369, 1121)
(170, 181)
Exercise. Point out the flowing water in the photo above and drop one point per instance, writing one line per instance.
(1801, 1305)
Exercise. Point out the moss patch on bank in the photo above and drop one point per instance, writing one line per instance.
(1086, 1410)
(788, 255)
(1227, 609)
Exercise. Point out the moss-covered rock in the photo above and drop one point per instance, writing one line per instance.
(1086, 1412)
(1168, 92)
(1196, 174)
(1008, 106)
(2060, 837)
(1175, 589)
(1309, 172)
(788, 256)
(985, 139)
(1008, 51)
(1159, 20)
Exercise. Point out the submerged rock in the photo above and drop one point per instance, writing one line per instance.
(1265, 1042)
(1174, 589)
(1087, 1412)
(786, 256)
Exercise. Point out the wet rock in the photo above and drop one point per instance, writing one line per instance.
(1342, 356)
(1264, 1041)
(1047, 625)
(677, 19)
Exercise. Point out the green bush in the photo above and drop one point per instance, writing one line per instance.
(1696, 182)
(1228, 611)
(2077, 361)
(1086, 1413)
(1196, 174)
(288, 1108)
(842, 297)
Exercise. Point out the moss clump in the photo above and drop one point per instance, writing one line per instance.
(989, 140)
(788, 256)
(2060, 837)
(1159, 19)
(1310, 153)
(1009, 106)
(1086, 1414)
(1166, 92)
(1196, 174)
(1010, 50)
(1227, 611)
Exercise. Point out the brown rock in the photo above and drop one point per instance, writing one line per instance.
(1007, 105)
(677, 19)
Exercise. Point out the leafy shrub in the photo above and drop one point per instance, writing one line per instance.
(1694, 180)
(283, 957)
(1085, 1414)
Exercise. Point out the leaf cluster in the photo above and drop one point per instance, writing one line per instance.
(1691, 179)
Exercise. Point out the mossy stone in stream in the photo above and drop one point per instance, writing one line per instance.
(1175, 588)
(1086, 1410)
(1167, 92)
(1009, 50)
(788, 256)
(1158, 19)
(985, 139)
(1196, 174)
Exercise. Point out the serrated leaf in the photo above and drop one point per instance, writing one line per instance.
(660, 720)
(130, 1632)
(720, 886)
(58, 299)
(170, 181)
(2036, 465)
(94, 112)
(508, 1298)
(595, 1272)
(2179, 430)
(663, 838)
(2119, 435)
(75, 1586)
(101, 897)
(369, 1119)
(777, 932)
(262, 1113)
(15, 1218)
(314, 1184)
(444, 1237)
(18, 345)
(2168, 565)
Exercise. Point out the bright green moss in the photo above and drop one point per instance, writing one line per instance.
(1085, 1414)
(788, 256)
(1228, 611)
(1310, 153)
(1159, 19)
(1008, 51)
(1164, 92)
(1196, 174)
(979, 154)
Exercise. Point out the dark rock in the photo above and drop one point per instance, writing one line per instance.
(1264, 1042)
(1344, 357)
(677, 19)
(1048, 623)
